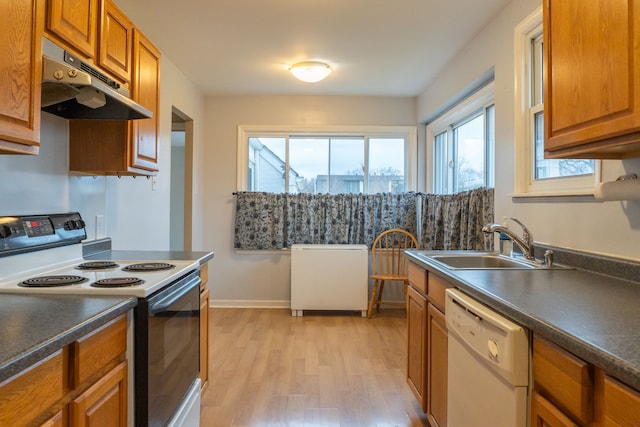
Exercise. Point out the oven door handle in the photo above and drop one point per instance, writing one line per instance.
(175, 295)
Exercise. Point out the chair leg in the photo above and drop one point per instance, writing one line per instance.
(380, 295)
(374, 292)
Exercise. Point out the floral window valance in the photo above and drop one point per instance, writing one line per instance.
(277, 221)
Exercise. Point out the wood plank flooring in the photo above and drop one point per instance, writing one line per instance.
(324, 369)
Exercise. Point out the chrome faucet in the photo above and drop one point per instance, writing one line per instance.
(525, 243)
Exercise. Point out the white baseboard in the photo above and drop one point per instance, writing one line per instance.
(228, 303)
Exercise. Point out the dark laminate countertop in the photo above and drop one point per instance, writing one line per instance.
(595, 316)
(34, 326)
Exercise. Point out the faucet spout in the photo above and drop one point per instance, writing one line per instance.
(525, 243)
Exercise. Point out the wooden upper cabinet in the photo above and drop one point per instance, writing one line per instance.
(116, 42)
(22, 23)
(74, 23)
(591, 71)
(146, 92)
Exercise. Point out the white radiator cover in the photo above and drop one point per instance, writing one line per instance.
(329, 277)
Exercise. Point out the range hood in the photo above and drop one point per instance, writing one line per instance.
(75, 90)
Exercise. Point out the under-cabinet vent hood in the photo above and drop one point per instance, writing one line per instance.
(74, 90)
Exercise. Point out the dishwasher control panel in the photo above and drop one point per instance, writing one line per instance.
(500, 342)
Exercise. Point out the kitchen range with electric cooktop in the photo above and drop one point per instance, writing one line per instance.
(42, 254)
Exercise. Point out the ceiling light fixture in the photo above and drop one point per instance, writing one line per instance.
(310, 71)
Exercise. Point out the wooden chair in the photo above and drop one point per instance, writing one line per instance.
(389, 264)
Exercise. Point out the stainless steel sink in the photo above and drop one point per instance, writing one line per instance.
(482, 261)
(456, 260)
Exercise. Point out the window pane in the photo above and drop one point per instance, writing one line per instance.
(536, 71)
(470, 154)
(309, 162)
(386, 165)
(440, 164)
(346, 166)
(555, 168)
(267, 164)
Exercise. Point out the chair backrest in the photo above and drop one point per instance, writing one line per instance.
(387, 252)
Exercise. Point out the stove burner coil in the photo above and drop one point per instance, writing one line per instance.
(52, 281)
(117, 282)
(149, 266)
(97, 265)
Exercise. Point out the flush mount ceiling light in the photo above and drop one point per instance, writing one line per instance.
(310, 71)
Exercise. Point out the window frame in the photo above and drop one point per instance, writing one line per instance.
(408, 133)
(475, 104)
(524, 174)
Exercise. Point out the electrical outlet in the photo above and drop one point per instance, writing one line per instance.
(154, 183)
(100, 231)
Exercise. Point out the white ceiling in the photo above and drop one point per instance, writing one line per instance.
(375, 47)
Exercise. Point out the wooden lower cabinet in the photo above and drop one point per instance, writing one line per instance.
(417, 344)
(437, 364)
(104, 403)
(45, 394)
(427, 343)
(571, 392)
(546, 414)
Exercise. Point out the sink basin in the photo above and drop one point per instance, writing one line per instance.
(470, 260)
(485, 261)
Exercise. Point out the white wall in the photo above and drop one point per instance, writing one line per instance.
(139, 217)
(610, 228)
(263, 278)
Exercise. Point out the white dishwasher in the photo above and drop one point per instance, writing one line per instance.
(488, 366)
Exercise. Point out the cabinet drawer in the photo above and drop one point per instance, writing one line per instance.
(564, 379)
(99, 349)
(418, 277)
(33, 391)
(437, 291)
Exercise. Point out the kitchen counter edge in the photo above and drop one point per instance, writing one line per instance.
(58, 336)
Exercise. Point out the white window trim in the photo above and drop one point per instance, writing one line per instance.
(525, 184)
(409, 133)
(483, 97)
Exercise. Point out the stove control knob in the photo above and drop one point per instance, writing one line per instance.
(5, 231)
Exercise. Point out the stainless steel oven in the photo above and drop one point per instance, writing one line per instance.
(167, 337)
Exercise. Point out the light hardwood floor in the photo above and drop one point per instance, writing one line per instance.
(324, 369)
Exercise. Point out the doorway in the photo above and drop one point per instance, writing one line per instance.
(180, 237)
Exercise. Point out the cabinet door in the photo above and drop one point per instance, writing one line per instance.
(204, 338)
(31, 393)
(116, 42)
(104, 403)
(74, 22)
(621, 404)
(437, 367)
(146, 91)
(544, 414)
(22, 22)
(592, 65)
(417, 344)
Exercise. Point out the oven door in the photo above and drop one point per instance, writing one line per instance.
(167, 349)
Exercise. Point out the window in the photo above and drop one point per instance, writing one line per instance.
(535, 174)
(462, 141)
(342, 160)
